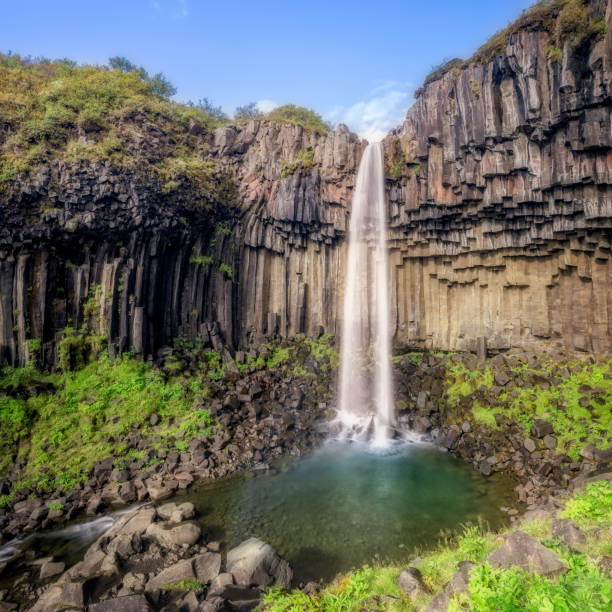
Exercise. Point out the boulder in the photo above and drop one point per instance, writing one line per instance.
(183, 570)
(254, 562)
(207, 566)
(72, 595)
(170, 535)
(529, 445)
(457, 584)
(523, 551)
(410, 581)
(131, 603)
(572, 536)
(50, 569)
(218, 584)
(541, 428)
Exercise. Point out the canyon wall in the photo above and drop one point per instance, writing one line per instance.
(500, 208)
(501, 218)
(108, 252)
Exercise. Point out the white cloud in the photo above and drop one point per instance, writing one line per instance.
(177, 9)
(382, 110)
(265, 106)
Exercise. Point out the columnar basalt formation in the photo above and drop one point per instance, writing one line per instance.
(85, 245)
(500, 200)
(501, 207)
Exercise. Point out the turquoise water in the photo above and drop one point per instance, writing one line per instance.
(344, 505)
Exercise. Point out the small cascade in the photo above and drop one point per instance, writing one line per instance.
(365, 408)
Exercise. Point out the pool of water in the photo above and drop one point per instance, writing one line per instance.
(338, 508)
(346, 505)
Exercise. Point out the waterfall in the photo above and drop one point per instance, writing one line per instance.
(366, 397)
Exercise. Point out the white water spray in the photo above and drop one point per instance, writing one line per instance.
(366, 397)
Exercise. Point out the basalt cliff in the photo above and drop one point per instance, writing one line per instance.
(500, 211)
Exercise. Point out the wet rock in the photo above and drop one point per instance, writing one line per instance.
(72, 595)
(567, 531)
(241, 597)
(485, 468)
(183, 570)
(170, 535)
(254, 562)
(410, 581)
(50, 569)
(94, 505)
(523, 551)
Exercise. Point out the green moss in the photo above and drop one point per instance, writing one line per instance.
(577, 405)
(200, 260)
(62, 434)
(303, 160)
(226, 270)
(186, 585)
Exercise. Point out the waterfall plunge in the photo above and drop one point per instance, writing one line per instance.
(366, 398)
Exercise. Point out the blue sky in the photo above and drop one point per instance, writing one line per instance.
(353, 62)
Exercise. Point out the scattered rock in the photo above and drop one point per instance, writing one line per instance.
(530, 445)
(50, 569)
(573, 537)
(523, 551)
(411, 582)
(170, 535)
(129, 603)
(541, 428)
(183, 570)
(254, 562)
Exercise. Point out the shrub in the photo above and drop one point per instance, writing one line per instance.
(299, 115)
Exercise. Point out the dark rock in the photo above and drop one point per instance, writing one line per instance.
(541, 428)
(550, 442)
(129, 603)
(567, 531)
(485, 467)
(523, 551)
(183, 570)
(410, 581)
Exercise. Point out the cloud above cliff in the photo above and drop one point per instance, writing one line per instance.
(383, 109)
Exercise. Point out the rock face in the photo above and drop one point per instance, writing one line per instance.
(500, 225)
(87, 245)
(501, 221)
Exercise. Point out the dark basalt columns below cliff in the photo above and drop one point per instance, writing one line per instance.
(501, 225)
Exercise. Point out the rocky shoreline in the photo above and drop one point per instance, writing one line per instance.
(269, 414)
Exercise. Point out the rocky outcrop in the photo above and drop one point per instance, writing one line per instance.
(89, 246)
(501, 211)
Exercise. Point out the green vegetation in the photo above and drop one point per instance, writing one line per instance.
(226, 270)
(200, 260)
(575, 397)
(186, 585)
(56, 506)
(592, 506)
(299, 115)
(303, 160)
(564, 20)
(63, 433)
(56, 109)
(583, 587)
